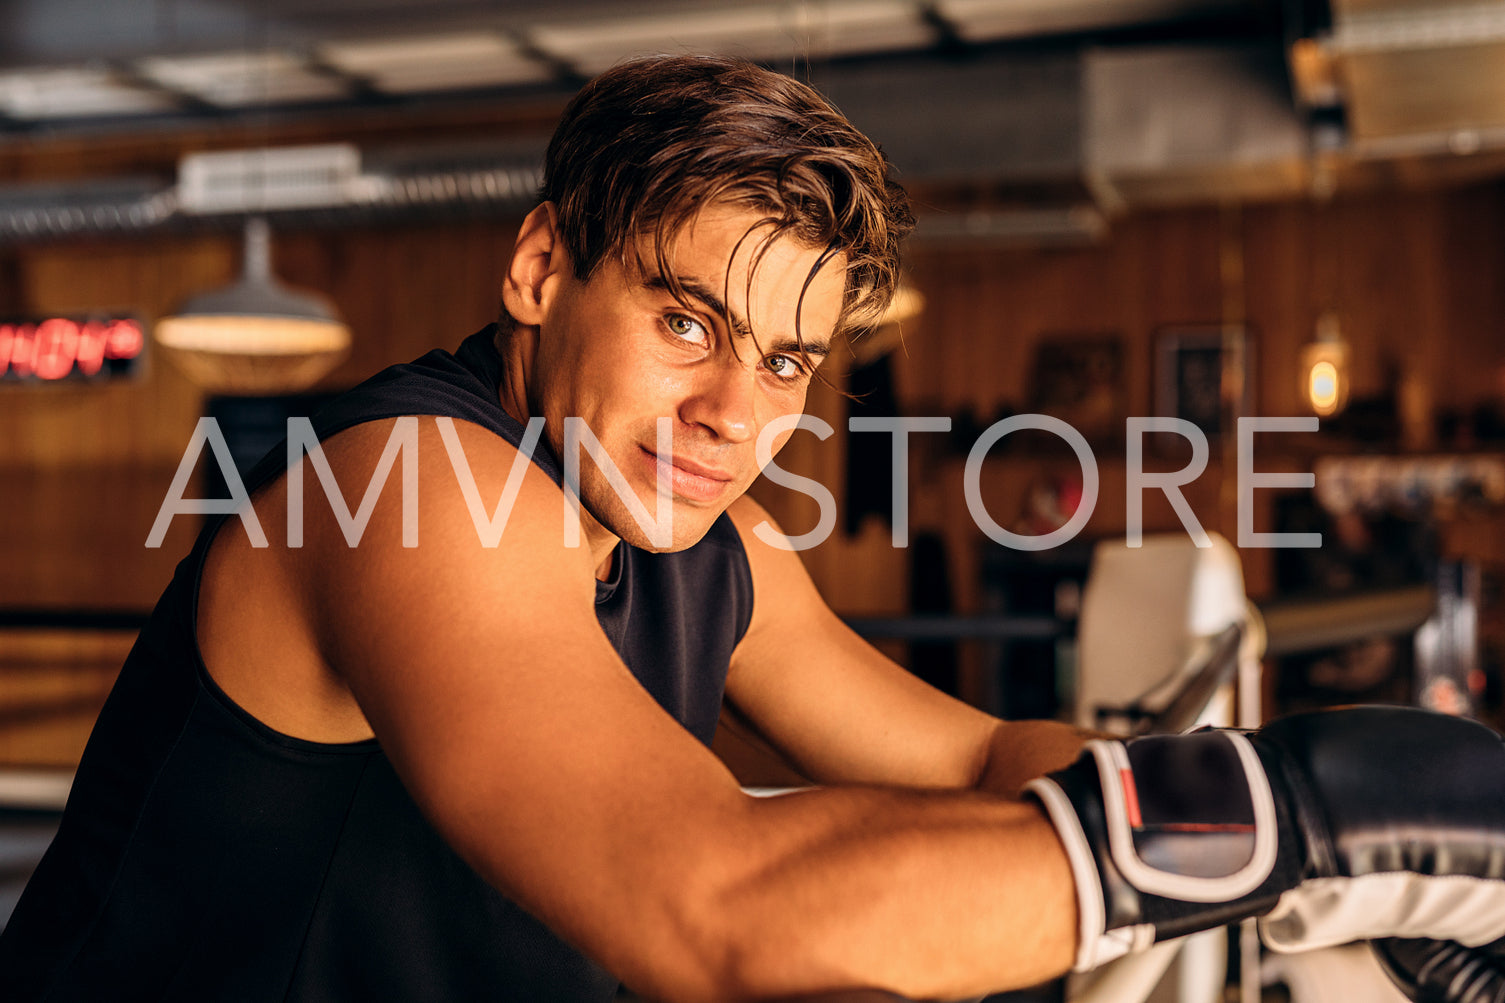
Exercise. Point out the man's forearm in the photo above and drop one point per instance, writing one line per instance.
(930, 894)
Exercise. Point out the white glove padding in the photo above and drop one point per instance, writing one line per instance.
(1325, 912)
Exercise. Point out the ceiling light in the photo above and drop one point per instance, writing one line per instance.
(437, 62)
(256, 336)
(75, 93)
(244, 79)
(767, 32)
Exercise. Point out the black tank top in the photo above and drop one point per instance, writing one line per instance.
(205, 857)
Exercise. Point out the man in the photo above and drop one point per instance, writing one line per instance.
(449, 762)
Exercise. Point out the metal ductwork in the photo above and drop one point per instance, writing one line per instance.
(1191, 124)
(1014, 119)
(1411, 77)
(1118, 128)
(317, 185)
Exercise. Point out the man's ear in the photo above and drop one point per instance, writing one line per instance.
(537, 258)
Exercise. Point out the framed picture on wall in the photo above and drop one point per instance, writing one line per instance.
(1203, 374)
(1080, 379)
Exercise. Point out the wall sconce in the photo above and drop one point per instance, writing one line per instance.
(256, 336)
(1324, 368)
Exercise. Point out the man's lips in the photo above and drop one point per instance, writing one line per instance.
(689, 479)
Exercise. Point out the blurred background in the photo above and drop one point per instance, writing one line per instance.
(1199, 209)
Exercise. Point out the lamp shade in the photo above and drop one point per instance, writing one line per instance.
(256, 336)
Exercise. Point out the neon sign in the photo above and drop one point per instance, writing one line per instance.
(60, 348)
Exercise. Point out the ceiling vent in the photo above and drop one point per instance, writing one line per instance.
(273, 179)
(1191, 123)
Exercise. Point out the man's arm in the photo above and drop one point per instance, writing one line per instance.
(840, 712)
(543, 762)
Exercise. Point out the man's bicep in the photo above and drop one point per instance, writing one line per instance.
(830, 703)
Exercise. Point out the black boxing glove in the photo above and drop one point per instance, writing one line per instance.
(1334, 826)
(1444, 971)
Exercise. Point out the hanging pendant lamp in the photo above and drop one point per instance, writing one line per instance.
(256, 336)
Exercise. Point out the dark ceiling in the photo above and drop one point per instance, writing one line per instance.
(73, 65)
(1066, 109)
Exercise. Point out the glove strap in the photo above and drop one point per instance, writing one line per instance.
(1165, 836)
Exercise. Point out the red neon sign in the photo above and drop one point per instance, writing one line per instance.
(57, 348)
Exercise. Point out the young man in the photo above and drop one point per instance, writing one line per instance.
(457, 760)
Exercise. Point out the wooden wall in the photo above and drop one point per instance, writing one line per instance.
(86, 468)
(83, 470)
(1414, 277)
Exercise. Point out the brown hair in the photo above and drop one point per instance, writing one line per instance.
(648, 144)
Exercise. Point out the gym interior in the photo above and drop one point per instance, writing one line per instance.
(1200, 342)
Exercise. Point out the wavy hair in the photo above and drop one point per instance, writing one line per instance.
(648, 144)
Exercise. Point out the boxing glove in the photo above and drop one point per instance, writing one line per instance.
(1333, 826)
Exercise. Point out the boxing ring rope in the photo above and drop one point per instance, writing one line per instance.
(1301, 625)
(42, 618)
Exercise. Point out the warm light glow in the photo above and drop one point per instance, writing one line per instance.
(907, 304)
(1324, 367)
(252, 355)
(1322, 387)
(252, 335)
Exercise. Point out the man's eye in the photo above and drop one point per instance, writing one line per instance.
(687, 328)
(784, 366)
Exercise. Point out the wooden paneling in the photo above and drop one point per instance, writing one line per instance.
(1413, 279)
(85, 468)
(52, 685)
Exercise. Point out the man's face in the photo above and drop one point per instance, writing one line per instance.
(619, 352)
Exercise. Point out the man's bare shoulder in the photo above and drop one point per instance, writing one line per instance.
(480, 529)
(472, 515)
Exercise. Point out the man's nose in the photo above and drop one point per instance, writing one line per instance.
(722, 401)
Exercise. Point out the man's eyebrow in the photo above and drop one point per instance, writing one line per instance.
(712, 302)
(788, 346)
(707, 297)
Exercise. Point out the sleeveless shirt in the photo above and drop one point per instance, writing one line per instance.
(204, 856)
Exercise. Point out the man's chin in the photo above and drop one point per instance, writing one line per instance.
(685, 534)
(688, 521)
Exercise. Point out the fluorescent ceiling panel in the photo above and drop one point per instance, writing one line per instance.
(1434, 27)
(436, 62)
(765, 31)
(75, 93)
(1416, 92)
(244, 79)
(989, 20)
